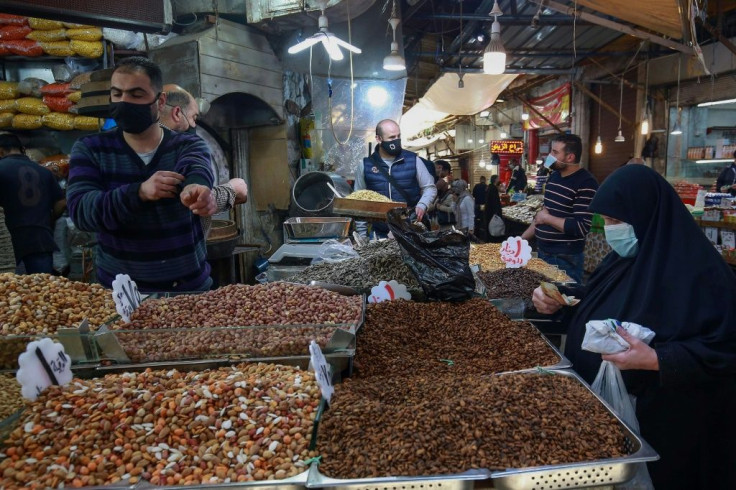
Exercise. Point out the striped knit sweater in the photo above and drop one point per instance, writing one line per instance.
(569, 198)
(160, 244)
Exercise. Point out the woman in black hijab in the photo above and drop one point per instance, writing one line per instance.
(664, 274)
(493, 206)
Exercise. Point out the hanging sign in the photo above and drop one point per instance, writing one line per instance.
(126, 296)
(554, 105)
(515, 252)
(44, 363)
(515, 147)
(388, 291)
(321, 370)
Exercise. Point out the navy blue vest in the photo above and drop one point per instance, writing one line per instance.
(403, 170)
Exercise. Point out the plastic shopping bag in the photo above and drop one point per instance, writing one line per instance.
(601, 336)
(334, 251)
(496, 227)
(438, 259)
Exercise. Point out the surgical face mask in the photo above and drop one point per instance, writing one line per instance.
(133, 118)
(392, 147)
(622, 239)
(549, 161)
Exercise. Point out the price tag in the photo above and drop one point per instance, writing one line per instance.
(728, 239)
(388, 291)
(126, 296)
(515, 252)
(712, 234)
(321, 370)
(44, 363)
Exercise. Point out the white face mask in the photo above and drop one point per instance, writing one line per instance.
(622, 239)
(549, 161)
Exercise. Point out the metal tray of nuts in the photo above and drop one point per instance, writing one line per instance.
(583, 474)
(459, 481)
(564, 362)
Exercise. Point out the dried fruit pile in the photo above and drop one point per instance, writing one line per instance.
(251, 422)
(511, 283)
(402, 337)
(420, 426)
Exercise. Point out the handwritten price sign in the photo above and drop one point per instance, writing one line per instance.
(126, 296)
(388, 291)
(515, 252)
(321, 370)
(44, 363)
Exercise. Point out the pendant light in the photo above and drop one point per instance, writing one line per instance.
(394, 61)
(460, 82)
(677, 130)
(494, 57)
(620, 137)
(646, 120)
(330, 42)
(598, 148)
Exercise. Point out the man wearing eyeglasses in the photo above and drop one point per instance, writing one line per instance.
(181, 113)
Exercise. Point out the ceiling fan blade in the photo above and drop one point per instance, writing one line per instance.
(345, 45)
(333, 50)
(310, 41)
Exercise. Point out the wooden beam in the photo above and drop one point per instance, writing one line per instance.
(594, 19)
(717, 34)
(535, 111)
(601, 102)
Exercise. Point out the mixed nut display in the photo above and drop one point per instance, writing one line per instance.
(488, 257)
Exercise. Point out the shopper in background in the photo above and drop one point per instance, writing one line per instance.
(142, 189)
(542, 176)
(564, 221)
(181, 113)
(727, 179)
(664, 274)
(398, 174)
(518, 177)
(32, 200)
(464, 207)
(493, 206)
(479, 197)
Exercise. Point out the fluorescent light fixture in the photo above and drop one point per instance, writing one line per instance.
(330, 42)
(716, 102)
(485, 113)
(598, 149)
(619, 137)
(715, 160)
(377, 96)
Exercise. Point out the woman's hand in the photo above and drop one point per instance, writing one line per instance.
(543, 303)
(639, 355)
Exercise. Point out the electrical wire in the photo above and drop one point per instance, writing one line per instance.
(574, 33)
(352, 88)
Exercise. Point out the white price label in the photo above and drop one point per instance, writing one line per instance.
(388, 291)
(515, 252)
(728, 239)
(126, 296)
(44, 363)
(712, 234)
(321, 370)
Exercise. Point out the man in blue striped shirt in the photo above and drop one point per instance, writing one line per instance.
(142, 188)
(564, 221)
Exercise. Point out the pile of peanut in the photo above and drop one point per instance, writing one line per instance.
(366, 195)
(428, 425)
(40, 303)
(10, 397)
(488, 257)
(472, 337)
(246, 423)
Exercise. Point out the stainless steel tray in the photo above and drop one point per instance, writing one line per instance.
(584, 474)
(564, 362)
(316, 228)
(459, 481)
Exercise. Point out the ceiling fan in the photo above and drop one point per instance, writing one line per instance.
(331, 42)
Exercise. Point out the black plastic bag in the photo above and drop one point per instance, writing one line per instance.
(438, 259)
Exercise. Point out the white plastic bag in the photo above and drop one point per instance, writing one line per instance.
(334, 251)
(601, 336)
(496, 226)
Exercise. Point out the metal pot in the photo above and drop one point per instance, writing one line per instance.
(312, 195)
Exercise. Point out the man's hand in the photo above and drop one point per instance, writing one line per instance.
(639, 355)
(543, 303)
(420, 213)
(161, 185)
(542, 217)
(241, 190)
(199, 199)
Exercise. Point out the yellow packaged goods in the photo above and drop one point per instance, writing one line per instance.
(27, 121)
(6, 119)
(57, 48)
(44, 24)
(87, 123)
(31, 105)
(88, 49)
(366, 195)
(75, 96)
(59, 120)
(53, 35)
(8, 90)
(72, 25)
(8, 106)
(85, 34)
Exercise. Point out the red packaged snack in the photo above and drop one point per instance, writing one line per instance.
(13, 20)
(57, 88)
(57, 103)
(25, 47)
(11, 33)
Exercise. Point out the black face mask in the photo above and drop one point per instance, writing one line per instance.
(392, 147)
(133, 118)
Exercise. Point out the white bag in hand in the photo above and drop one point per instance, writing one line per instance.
(601, 336)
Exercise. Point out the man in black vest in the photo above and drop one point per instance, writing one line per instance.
(396, 173)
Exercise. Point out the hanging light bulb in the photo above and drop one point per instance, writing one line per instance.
(645, 124)
(482, 164)
(330, 42)
(598, 148)
(503, 135)
(645, 120)
(620, 136)
(394, 61)
(494, 57)
(524, 116)
(460, 83)
(676, 129)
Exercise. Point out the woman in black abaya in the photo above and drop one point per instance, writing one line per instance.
(671, 279)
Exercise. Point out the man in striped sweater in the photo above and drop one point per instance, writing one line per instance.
(564, 221)
(142, 188)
